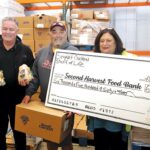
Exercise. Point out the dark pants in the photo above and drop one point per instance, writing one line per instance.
(7, 112)
(145, 148)
(105, 140)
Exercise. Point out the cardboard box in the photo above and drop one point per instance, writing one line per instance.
(82, 39)
(86, 14)
(40, 44)
(43, 21)
(82, 14)
(84, 32)
(38, 120)
(140, 135)
(29, 43)
(25, 22)
(41, 34)
(80, 127)
(102, 15)
(89, 25)
(27, 33)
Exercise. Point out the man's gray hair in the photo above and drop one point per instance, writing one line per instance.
(10, 19)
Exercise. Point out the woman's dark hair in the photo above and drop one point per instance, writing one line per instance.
(119, 45)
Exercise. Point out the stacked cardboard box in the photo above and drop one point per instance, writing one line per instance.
(26, 30)
(83, 32)
(102, 15)
(86, 25)
(41, 30)
(140, 135)
(34, 30)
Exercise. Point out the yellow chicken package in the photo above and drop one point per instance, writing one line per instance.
(2, 79)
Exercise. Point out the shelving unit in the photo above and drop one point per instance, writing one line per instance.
(80, 4)
(63, 1)
(33, 5)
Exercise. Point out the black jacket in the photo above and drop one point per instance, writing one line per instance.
(10, 61)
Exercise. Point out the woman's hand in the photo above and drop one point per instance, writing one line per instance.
(68, 114)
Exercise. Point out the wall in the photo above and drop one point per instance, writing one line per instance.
(133, 25)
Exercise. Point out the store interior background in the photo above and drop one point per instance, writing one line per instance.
(132, 23)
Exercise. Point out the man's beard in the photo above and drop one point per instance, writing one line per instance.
(57, 44)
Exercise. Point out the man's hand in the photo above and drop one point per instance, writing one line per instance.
(23, 82)
(26, 99)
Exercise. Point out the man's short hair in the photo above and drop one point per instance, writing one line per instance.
(10, 19)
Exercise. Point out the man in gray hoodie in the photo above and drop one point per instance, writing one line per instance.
(41, 72)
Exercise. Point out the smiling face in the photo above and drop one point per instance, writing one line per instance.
(107, 44)
(9, 31)
(58, 36)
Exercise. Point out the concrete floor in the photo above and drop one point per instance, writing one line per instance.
(42, 146)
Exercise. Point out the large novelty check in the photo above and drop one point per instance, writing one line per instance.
(106, 86)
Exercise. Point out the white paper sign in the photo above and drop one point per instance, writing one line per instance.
(106, 86)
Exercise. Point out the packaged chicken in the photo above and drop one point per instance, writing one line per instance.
(2, 81)
(24, 73)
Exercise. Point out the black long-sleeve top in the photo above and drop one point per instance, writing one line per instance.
(10, 60)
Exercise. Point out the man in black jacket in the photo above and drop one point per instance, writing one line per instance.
(12, 55)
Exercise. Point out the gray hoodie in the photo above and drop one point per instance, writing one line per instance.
(41, 70)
